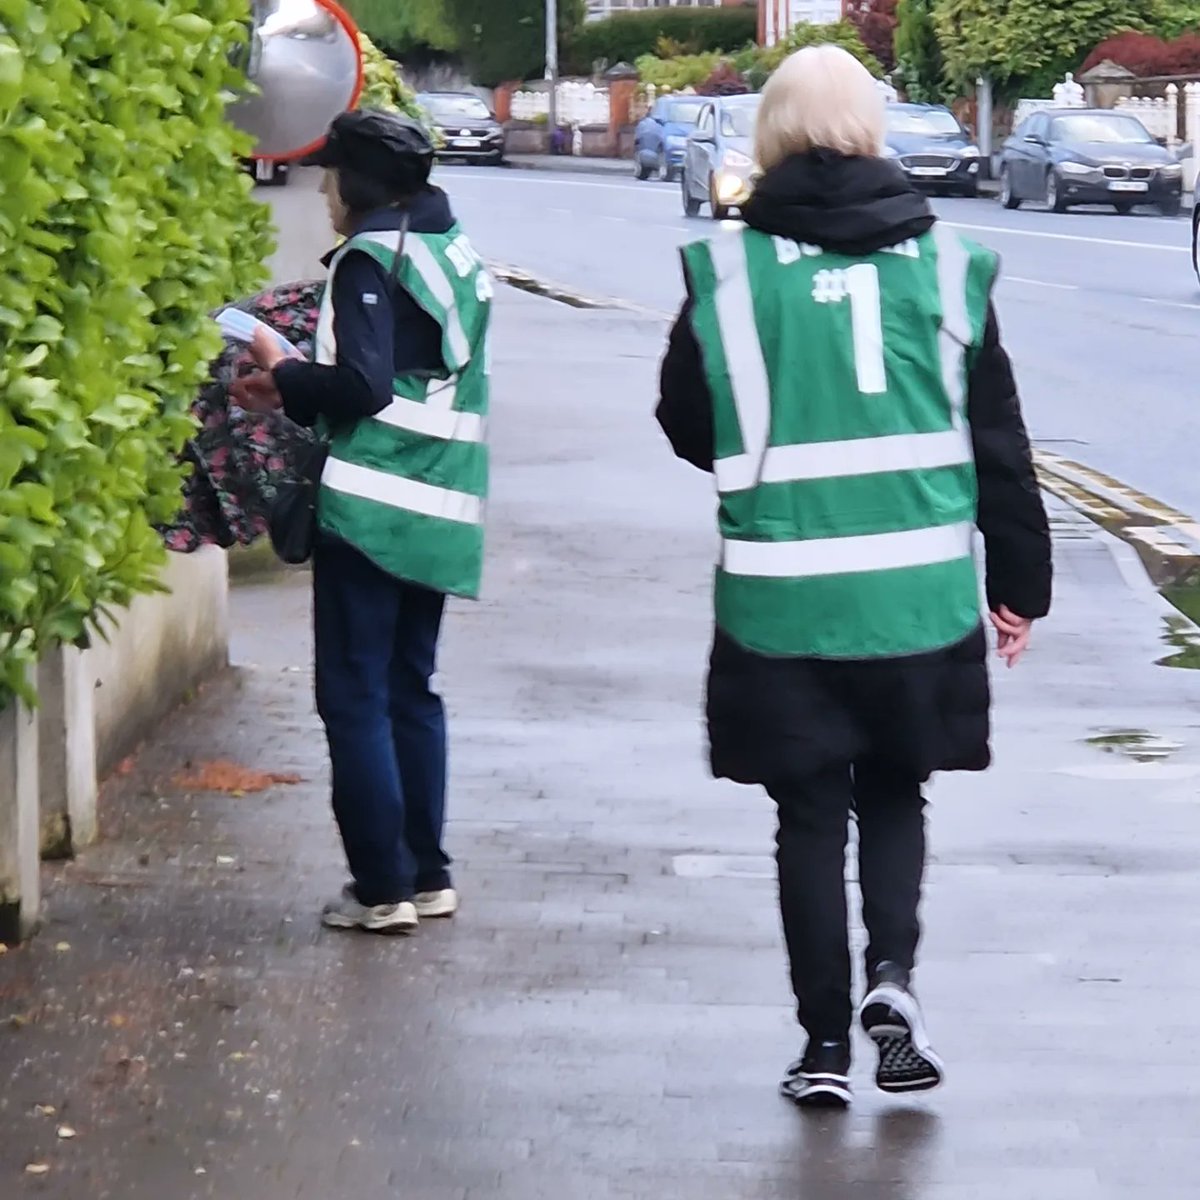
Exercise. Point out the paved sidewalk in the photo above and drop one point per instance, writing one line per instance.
(570, 164)
(609, 1015)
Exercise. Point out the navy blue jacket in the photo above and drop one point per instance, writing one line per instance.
(381, 331)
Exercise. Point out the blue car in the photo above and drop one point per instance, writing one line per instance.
(661, 138)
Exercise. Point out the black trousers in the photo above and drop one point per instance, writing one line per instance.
(814, 817)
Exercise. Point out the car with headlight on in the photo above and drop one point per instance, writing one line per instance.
(465, 126)
(660, 140)
(932, 149)
(1068, 156)
(718, 166)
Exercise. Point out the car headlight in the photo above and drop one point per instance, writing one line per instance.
(1171, 170)
(1074, 168)
(969, 152)
(736, 160)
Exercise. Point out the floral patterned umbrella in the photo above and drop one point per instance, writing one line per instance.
(239, 458)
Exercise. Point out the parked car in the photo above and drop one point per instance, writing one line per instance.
(1196, 230)
(466, 127)
(932, 148)
(718, 166)
(1069, 156)
(660, 141)
(268, 173)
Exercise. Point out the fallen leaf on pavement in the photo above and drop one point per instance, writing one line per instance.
(231, 779)
(66, 1132)
(45, 1110)
(37, 1168)
(62, 947)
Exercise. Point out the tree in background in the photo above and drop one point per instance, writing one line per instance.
(402, 25)
(875, 21)
(506, 41)
(1025, 46)
(918, 54)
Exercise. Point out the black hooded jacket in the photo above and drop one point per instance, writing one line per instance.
(778, 720)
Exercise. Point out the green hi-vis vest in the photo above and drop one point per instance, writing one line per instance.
(407, 486)
(843, 456)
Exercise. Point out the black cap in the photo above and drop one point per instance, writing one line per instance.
(386, 146)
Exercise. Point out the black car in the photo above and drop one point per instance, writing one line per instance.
(466, 126)
(932, 148)
(1066, 156)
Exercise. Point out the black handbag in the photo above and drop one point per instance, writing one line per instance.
(293, 515)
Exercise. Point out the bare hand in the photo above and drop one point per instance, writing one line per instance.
(266, 349)
(256, 393)
(1012, 633)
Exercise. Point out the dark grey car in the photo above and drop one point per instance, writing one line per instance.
(1067, 156)
(466, 125)
(718, 165)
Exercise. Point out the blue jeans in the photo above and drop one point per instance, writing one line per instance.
(376, 651)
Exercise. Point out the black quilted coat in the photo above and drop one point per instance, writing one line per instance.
(778, 720)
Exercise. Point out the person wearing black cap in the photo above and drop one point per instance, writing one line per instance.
(399, 386)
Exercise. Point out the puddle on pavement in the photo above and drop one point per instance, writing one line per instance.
(1140, 745)
(1182, 633)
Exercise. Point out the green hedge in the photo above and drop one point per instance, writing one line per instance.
(382, 85)
(629, 36)
(124, 218)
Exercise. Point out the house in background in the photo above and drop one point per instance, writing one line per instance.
(776, 18)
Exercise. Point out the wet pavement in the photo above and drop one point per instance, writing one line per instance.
(609, 1015)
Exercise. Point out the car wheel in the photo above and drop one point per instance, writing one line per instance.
(1171, 207)
(640, 169)
(1054, 199)
(665, 171)
(720, 212)
(691, 206)
(970, 192)
(1007, 198)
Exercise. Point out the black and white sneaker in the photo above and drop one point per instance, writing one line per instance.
(821, 1079)
(892, 1019)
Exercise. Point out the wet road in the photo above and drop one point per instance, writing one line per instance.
(1101, 312)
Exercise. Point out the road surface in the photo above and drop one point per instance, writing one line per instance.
(1101, 312)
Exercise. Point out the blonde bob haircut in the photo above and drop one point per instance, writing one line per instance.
(822, 97)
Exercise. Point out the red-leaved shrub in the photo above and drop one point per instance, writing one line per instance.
(1146, 55)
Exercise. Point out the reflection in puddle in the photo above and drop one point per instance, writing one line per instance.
(1138, 744)
(1184, 639)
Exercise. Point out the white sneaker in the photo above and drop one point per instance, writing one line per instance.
(436, 904)
(346, 913)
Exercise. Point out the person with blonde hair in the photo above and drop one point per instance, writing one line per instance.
(837, 365)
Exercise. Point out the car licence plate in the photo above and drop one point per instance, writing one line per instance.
(1129, 185)
(927, 172)
(467, 143)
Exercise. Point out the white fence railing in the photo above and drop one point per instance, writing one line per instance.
(1160, 114)
(578, 104)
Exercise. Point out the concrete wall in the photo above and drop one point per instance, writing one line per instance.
(96, 705)
(163, 646)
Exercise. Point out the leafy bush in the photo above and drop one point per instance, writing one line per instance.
(918, 54)
(759, 65)
(876, 22)
(629, 36)
(1146, 55)
(726, 80)
(504, 40)
(125, 217)
(382, 85)
(675, 74)
(405, 25)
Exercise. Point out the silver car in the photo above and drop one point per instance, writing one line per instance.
(718, 167)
